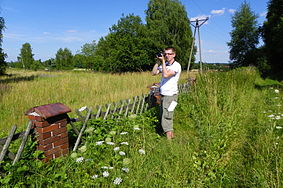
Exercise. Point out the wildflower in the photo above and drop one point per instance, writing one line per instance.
(106, 167)
(99, 143)
(112, 132)
(141, 151)
(276, 90)
(82, 149)
(125, 169)
(82, 108)
(132, 116)
(277, 117)
(116, 149)
(137, 128)
(110, 143)
(126, 161)
(79, 160)
(122, 153)
(124, 143)
(108, 139)
(278, 127)
(117, 181)
(123, 133)
(270, 116)
(74, 155)
(105, 174)
(89, 130)
(94, 176)
(278, 104)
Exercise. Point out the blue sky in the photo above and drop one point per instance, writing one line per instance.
(52, 24)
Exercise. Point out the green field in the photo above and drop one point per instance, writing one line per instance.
(228, 132)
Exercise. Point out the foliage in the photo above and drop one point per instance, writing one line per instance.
(26, 56)
(168, 25)
(125, 48)
(64, 59)
(272, 36)
(244, 37)
(3, 64)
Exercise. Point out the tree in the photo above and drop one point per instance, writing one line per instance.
(125, 48)
(244, 37)
(272, 32)
(26, 56)
(3, 64)
(63, 60)
(168, 25)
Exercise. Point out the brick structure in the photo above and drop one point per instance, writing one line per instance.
(50, 123)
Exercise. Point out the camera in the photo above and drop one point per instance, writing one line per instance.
(160, 54)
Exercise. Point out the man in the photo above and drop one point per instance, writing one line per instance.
(171, 71)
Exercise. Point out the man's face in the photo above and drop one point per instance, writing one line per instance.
(169, 55)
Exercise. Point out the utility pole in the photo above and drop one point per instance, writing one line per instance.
(197, 26)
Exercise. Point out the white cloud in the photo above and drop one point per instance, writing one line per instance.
(201, 17)
(71, 31)
(263, 14)
(218, 12)
(232, 11)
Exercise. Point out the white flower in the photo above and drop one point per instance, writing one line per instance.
(137, 128)
(278, 104)
(271, 116)
(117, 181)
(99, 143)
(82, 108)
(94, 176)
(124, 143)
(106, 167)
(82, 149)
(141, 151)
(278, 127)
(125, 169)
(276, 90)
(276, 97)
(277, 117)
(116, 149)
(122, 153)
(110, 143)
(105, 174)
(123, 133)
(79, 160)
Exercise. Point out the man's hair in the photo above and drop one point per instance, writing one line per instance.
(170, 48)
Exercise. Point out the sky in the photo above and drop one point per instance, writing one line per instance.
(49, 25)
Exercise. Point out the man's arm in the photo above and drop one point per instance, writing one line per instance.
(155, 70)
(166, 73)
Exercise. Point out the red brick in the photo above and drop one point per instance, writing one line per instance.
(60, 142)
(59, 131)
(65, 146)
(65, 151)
(52, 151)
(43, 136)
(41, 124)
(47, 158)
(44, 147)
(36, 118)
(47, 129)
(49, 140)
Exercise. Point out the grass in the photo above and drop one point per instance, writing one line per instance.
(23, 90)
(228, 134)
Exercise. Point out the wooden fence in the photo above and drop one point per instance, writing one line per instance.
(135, 105)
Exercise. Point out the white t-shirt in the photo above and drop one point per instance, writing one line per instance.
(169, 86)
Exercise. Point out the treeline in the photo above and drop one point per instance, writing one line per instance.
(244, 50)
(131, 45)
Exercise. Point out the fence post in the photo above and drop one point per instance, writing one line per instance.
(7, 143)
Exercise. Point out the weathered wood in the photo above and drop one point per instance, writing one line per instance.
(134, 104)
(24, 140)
(121, 108)
(143, 100)
(98, 112)
(7, 143)
(74, 128)
(114, 110)
(79, 114)
(10, 154)
(107, 111)
(82, 130)
(139, 102)
(15, 137)
(127, 108)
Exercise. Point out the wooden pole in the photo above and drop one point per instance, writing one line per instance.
(7, 143)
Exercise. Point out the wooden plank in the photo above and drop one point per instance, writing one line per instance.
(134, 104)
(107, 111)
(127, 108)
(114, 110)
(143, 100)
(15, 137)
(7, 143)
(122, 106)
(24, 140)
(82, 130)
(139, 102)
(10, 154)
(74, 128)
(98, 112)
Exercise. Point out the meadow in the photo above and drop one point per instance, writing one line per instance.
(228, 132)
(23, 90)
